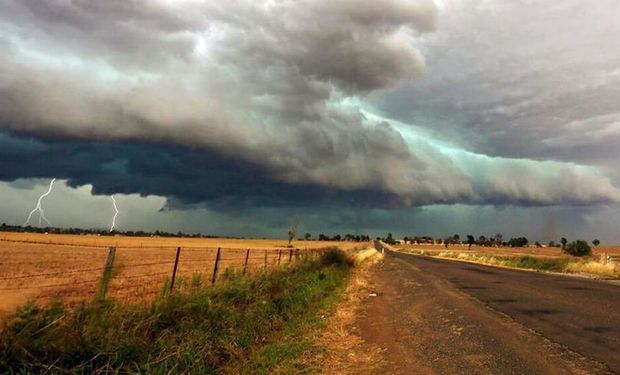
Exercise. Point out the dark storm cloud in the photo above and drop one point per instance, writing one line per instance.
(254, 101)
(260, 81)
(185, 176)
(190, 177)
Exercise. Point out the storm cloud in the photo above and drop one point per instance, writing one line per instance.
(296, 102)
(520, 79)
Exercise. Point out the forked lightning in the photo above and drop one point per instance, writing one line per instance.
(39, 208)
(115, 214)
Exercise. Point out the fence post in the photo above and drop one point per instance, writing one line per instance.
(245, 263)
(217, 262)
(107, 273)
(279, 256)
(290, 256)
(265, 260)
(174, 269)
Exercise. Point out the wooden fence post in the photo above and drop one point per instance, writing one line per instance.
(290, 256)
(245, 263)
(217, 262)
(279, 256)
(265, 260)
(174, 269)
(107, 273)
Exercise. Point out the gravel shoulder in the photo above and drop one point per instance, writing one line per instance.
(426, 320)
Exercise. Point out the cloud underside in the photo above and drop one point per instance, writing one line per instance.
(189, 176)
(246, 102)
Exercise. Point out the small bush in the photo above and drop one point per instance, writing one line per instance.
(336, 257)
(579, 248)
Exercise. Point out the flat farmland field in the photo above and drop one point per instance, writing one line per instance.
(44, 267)
(150, 242)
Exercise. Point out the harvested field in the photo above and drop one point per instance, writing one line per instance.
(43, 267)
(151, 242)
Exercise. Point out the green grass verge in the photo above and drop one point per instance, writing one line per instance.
(246, 325)
(545, 264)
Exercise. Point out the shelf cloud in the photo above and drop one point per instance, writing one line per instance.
(387, 104)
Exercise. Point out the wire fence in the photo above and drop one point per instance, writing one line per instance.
(79, 273)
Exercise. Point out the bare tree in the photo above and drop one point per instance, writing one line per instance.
(470, 241)
(293, 232)
(499, 239)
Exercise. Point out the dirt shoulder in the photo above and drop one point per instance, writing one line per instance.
(421, 324)
(343, 349)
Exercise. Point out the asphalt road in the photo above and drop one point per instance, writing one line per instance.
(441, 316)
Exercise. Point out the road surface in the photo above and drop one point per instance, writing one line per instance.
(441, 316)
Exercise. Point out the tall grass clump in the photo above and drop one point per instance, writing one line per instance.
(335, 257)
(545, 264)
(198, 330)
(593, 267)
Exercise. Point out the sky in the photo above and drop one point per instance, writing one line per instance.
(233, 118)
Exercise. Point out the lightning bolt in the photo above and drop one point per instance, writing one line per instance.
(115, 213)
(39, 208)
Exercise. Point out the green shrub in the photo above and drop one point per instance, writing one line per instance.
(579, 248)
(336, 257)
(547, 264)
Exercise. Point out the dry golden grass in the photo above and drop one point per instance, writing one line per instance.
(506, 251)
(345, 351)
(565, 264)
(594, 268)
(43, 267)
(151, 242)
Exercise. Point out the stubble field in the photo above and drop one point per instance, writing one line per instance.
(43, 267)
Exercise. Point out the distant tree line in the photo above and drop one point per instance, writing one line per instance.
(490, 241)
(99, 232)
(576, 248)
(346, 237)
(158, 233)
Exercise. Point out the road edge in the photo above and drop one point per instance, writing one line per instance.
(592, 277)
